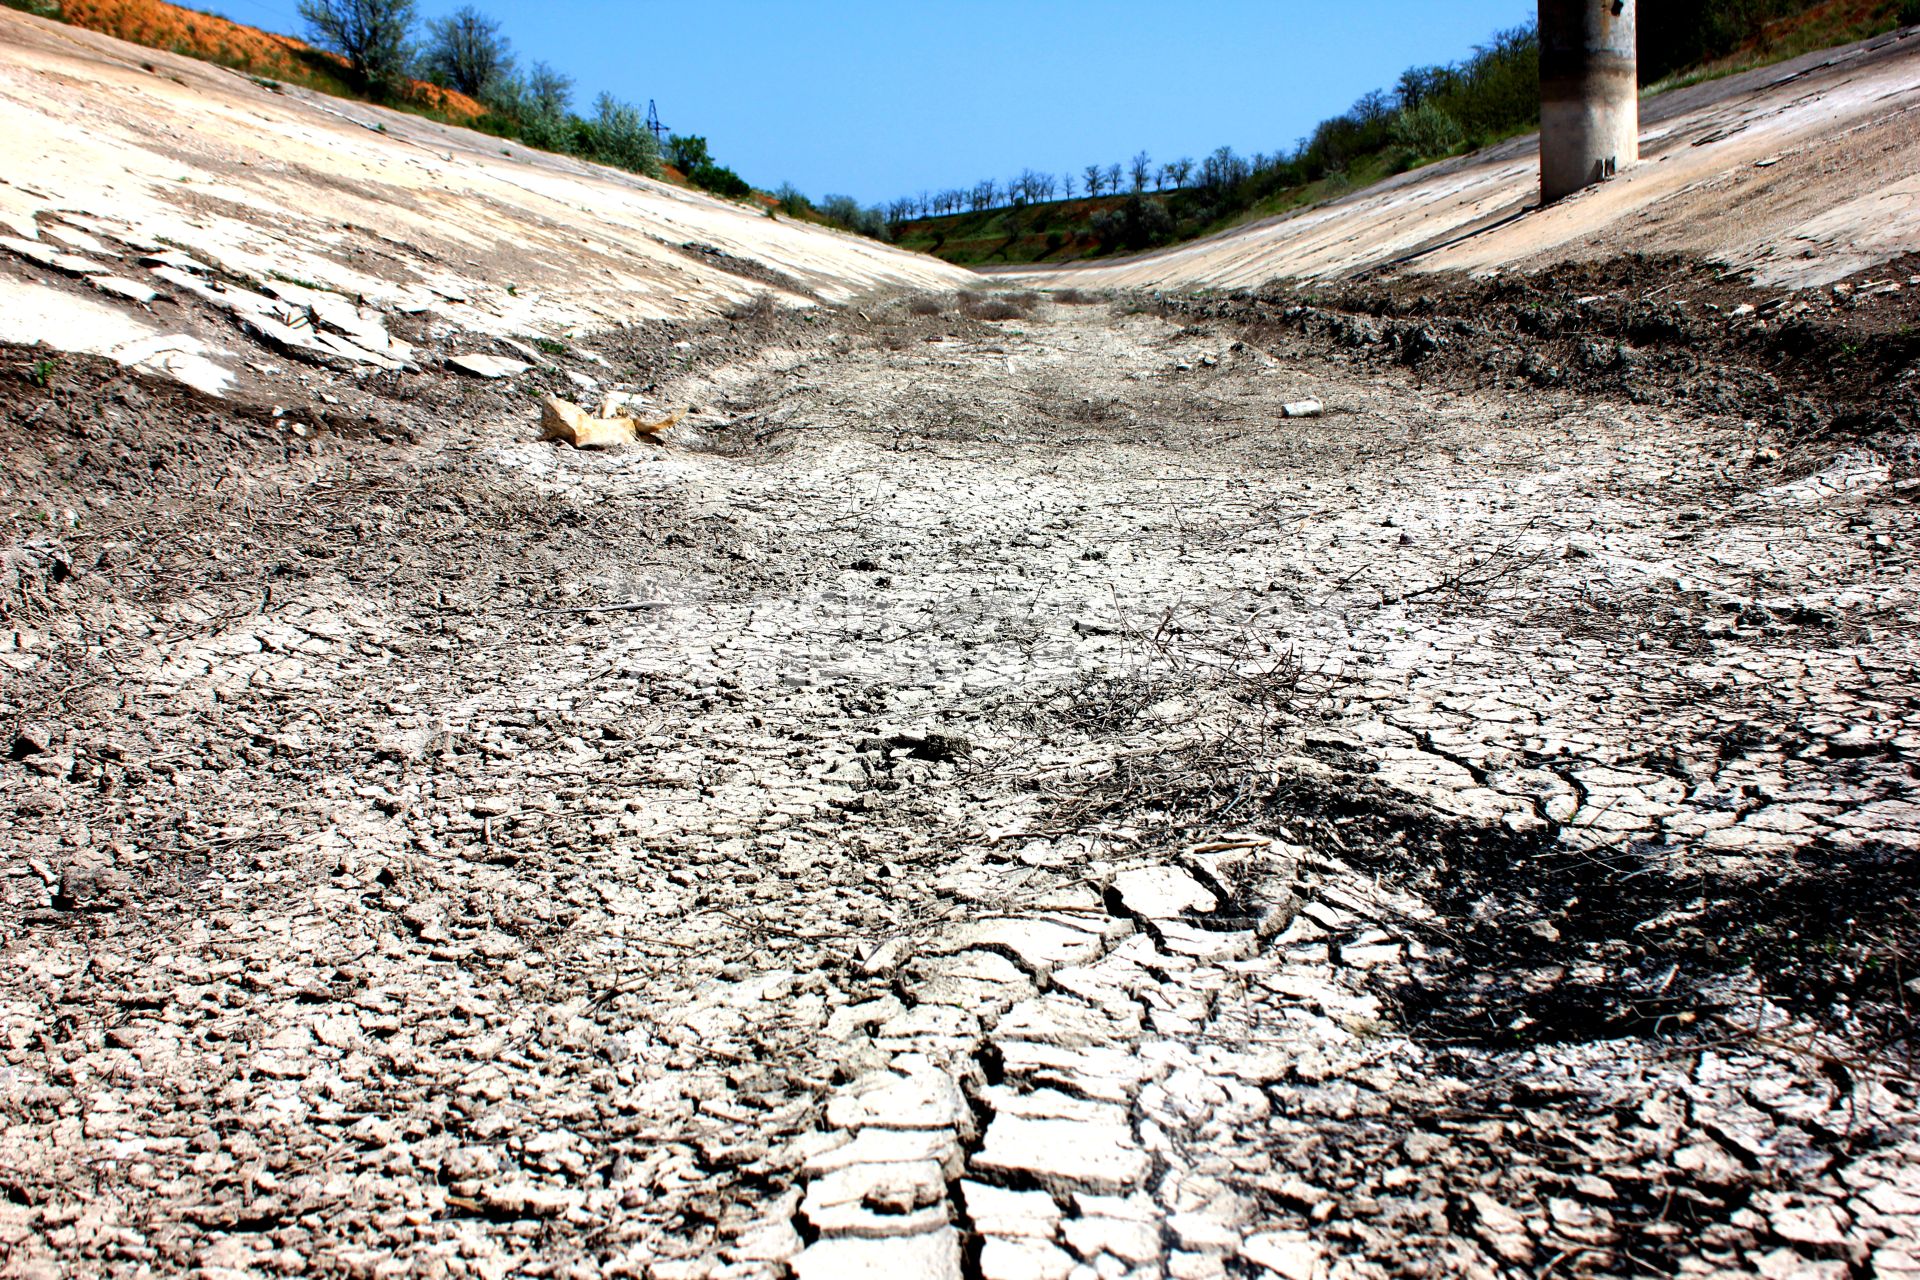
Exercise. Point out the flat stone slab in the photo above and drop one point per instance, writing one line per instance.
(982, 982)
(1205, 944)
(175, 259)
(1064, 1155)
(78, 240)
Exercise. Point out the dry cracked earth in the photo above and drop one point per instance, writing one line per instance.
(989, 797)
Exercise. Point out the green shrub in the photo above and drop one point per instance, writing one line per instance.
(1140, 222)
(1425, 130)
(720, 180)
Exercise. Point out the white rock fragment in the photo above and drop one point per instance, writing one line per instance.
(121, 287)
(176, 260)
(1302, 409)
(1198, 1233)
(42, 255)
(80, 240)
(485, 366)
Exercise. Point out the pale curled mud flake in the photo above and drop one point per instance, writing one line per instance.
(1037, 945)
(889, 1146)
(1102, 1072)
(1020, 1258)
(898, 1198)
(910, 1095)
(1054, 1020)
(995, 1211)
(934, 1255)
(1162, 893)
(1291, 1255)
(1093, 1151)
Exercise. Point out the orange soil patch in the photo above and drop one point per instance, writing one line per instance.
(159, 25)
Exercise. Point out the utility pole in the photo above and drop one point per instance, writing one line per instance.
(654, 126)
(1589, 93)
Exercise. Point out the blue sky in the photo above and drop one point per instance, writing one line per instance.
(878, 100)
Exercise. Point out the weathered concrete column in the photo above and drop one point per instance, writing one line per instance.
(1589, 93)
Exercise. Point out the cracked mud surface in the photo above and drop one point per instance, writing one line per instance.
(990, 799)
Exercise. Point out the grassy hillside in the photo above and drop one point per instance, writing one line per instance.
(211, 38)
(1433, 113)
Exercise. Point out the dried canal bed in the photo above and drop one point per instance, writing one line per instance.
(992, 799)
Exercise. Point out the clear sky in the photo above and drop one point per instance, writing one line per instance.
(878, 100)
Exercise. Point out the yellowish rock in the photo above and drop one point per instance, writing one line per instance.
(565, 420)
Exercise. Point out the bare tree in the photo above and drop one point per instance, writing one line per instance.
(1180, 170)
(1373, 107)
(984, 194)
(1066, 183)
(1096, 178)
(1142, 167)
(370, 34)
(1113, 178)
(1032, 186)
(467, 52)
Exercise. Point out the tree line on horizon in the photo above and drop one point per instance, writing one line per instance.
(1429, 113)
(1432, 111)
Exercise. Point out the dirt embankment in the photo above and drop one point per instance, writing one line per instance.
(1834, 364)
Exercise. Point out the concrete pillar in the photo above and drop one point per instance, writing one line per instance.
(1589, 93)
